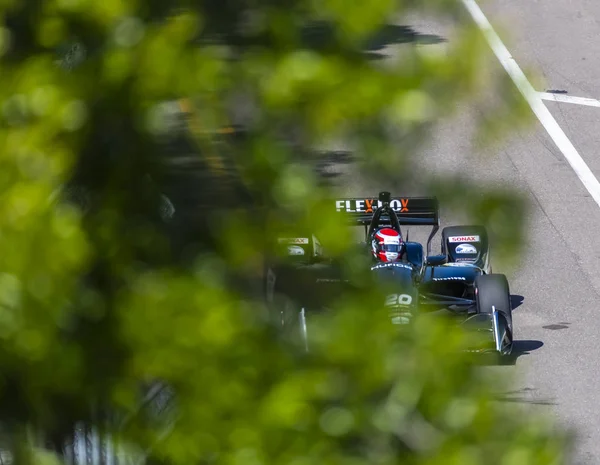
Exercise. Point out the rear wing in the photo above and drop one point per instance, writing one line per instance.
(410, 211)
(417, 211)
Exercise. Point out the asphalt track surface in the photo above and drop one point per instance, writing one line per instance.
(556, 285)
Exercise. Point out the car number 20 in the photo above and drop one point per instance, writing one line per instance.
(398, 299)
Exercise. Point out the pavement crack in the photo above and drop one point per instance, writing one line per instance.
(557, 157)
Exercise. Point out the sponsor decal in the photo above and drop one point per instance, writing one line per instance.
(465, 264)
(293, 240)
(454, 239)
(393, 300)
(295, 250)
(400, 318)
(466, 248)
(368, 205)
(451, 278)
(391, 265)
(470, 260)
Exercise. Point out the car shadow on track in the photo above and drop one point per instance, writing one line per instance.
(323, 35)
(399, 34)
(520, 348)
(516, 301)
(328, 164)
(524, 396)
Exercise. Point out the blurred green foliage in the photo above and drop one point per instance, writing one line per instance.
(112, 291)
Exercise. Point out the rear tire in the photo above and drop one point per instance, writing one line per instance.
(492, 290)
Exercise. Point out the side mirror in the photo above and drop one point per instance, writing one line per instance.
(435, 260)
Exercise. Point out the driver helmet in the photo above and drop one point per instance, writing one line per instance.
(386, 245)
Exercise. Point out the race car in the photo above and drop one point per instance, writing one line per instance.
(458, 282)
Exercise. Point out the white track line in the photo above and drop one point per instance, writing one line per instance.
(535, 102)
(590, 102)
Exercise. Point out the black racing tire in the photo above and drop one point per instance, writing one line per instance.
(492, 290)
